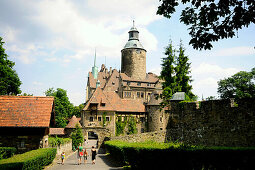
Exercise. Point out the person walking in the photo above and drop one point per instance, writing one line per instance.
(85, 156)
(93, 155)
(79, 153)
(63, 157)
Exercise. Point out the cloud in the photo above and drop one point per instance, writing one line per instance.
(235, 51)
(207, 75)
(36, 83)
(213, 70)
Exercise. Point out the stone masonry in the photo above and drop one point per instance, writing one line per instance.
(134, 63)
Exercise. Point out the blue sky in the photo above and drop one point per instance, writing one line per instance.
(53, 43)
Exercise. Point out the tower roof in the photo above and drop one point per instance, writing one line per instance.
(133, 41)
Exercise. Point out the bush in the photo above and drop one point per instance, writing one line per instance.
(152, 155)
(7, 152)
(56, 141)
(35, 159)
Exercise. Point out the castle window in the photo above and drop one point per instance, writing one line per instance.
(128, 83)
(107, 118)
(103, 104)
(99, 118)
(91, 119)
(142, 130)
(142, 95)
(138, 84)
(113, 83)
(138, 94)
(148, 84)
(160, 119)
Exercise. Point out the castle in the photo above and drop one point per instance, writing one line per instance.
(124, 95)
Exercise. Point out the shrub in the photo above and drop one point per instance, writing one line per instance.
(152, 155)
(35, 159)
(7, 152)
(56, 141)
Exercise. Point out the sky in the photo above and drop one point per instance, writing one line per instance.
(53, 42)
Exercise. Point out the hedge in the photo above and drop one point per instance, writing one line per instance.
(180, 156)
(7, 152)
(56, 141)
(35, 159)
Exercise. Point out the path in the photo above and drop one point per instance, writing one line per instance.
(102, 162)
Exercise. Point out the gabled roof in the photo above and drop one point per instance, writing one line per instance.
(25, 111)
(56, 131)
(97, 97)
(73, 121)
(150, 78)
(114, 103)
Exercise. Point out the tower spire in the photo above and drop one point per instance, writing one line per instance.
(94, 68)
(95, 57)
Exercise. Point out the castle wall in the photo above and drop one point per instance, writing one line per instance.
(133, 63)
(210, 123)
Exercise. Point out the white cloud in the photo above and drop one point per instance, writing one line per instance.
(156, 70)
(36, 83)
(207, 75)
(235, 51)
(213, 70)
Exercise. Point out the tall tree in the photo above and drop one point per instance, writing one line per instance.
(211, 20)
(175, 74)
(240, 85)
(182, 69)
(63, 107)
(168, 75)
(77, 136)
(9, 80)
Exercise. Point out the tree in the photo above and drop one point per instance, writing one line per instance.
(240, 85)
(77, 136)
(182, 70)
(77, 110)
(9, 79)
(168, 75)
(63, 107)
(210, 21)
(175, 74)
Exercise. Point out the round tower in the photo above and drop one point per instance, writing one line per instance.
(133, 56)
(156, 118)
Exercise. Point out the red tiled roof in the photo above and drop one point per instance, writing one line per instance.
(56, 131)
(73, 121)
(25, 111)
(114, 103)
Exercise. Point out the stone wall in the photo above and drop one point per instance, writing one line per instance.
(133, 63)
(158, 136)
(213, 123)
(208, 123)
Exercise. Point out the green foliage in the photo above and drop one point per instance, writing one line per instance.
(210, 20)
(104, 119)
(120, 126)
(35, 159)
(9, 80)
(77, 110)
(77, 136)
(56, 141)
(141, 155)
(63, 107)
(167, 74)
(175, 74)
(132, 125)
(182, 71)
(240, 85)
(7, 152)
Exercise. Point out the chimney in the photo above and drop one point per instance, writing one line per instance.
(110, 71)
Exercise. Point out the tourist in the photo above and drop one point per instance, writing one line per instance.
(93, 155)
(63, 157)
(85, 156)
(79, 153)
